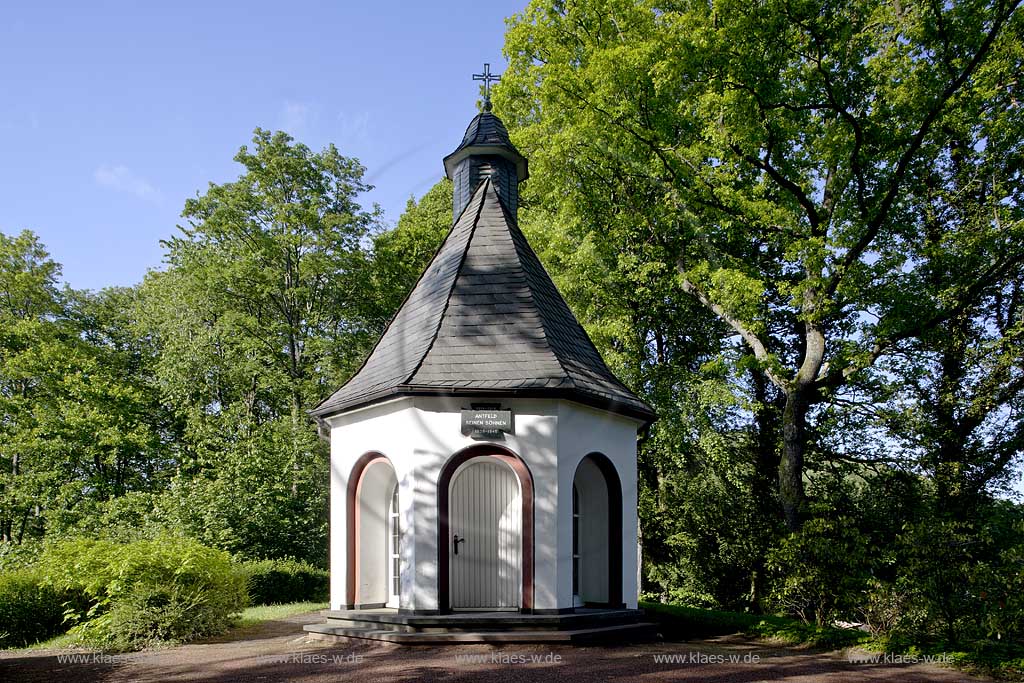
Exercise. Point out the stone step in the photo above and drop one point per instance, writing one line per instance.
(620, 633)
(470, 628)
(480, 622)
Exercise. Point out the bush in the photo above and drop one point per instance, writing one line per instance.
(272, 582)
(820, 571)
(145, 592)
(31, 610)
(966, 579)
(19, 555)
(678, 622)
(892, 611)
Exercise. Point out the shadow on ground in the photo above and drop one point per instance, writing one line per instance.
(278, 651)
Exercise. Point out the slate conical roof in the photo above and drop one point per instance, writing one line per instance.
(486, 134)
(485, 320)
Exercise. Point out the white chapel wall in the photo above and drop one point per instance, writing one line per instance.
(418, 435)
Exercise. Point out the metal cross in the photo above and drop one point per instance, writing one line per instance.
(487, 77)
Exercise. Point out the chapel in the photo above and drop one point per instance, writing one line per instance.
(483, 458)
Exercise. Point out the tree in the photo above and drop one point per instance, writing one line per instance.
(700, 482)
(259, 315)
(958, 405)
(79, 421)
(785, 150)
(277, 259)
(400, 255)
(29, 302)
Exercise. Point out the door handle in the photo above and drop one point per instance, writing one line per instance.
(456, 541)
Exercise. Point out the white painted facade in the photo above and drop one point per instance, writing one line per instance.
(418, 435)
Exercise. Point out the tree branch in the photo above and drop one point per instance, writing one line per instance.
(903, 165)
(757, 346)
(782, 181)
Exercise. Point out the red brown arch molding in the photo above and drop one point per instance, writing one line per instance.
(611, 480)
(444, 532)
(355, 483)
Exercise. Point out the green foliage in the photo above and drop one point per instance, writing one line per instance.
(19, 555)
(136, 515)
(999, 583)
(400, 255)
(892, 611)
(30, 609)
(273, 582)
(79, 421)
(1001, 660)
(1004, 660)
(265, 283)
(145, 592)
(678, 622)
(264, 309)
(258, 499)
(796, 230)
(830, 181)
(963, 580)
(716, 538)
(820, 571)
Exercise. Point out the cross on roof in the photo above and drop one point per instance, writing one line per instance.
(487, 77)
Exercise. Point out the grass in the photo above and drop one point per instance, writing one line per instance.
(251, 616)
(998, 659)
(58, 642)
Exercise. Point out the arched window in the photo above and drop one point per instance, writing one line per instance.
(394, 555)
(575, 545)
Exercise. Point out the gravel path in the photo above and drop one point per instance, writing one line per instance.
(277, 651)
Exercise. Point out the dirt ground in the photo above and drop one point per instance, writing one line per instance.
(278, 651)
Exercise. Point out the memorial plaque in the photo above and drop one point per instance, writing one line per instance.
(486, 422)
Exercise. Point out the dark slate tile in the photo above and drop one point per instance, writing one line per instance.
(486, 315)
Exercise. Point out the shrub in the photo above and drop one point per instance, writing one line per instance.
(967, 579)
(820, 571)
(892, 611)
(31, 610)
(271, 582)
(19, 555)
(164, 590)
(678, 622)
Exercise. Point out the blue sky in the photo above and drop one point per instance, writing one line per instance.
(113, 113)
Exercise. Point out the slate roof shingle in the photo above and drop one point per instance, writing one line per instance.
(485, 317)
(486, 131)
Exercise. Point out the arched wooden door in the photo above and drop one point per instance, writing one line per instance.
(485, 554)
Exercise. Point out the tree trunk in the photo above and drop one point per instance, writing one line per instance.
(767, 415)
(791, 466)
(21, 529)
(296, 450)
